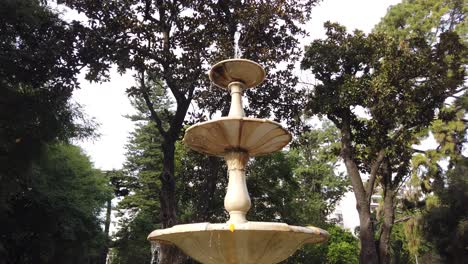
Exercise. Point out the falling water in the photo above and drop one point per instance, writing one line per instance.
(237, 51)
(211, 237)
(154, 252)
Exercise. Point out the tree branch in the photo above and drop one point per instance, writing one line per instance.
(351, 166)
(418, 151)
(461, 89)
(403, 219)
(373, 174)
(400, 178)
(403, 180)
(149, 104)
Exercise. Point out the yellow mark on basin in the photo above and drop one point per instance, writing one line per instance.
(231, 227)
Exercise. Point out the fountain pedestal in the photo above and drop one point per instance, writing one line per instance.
(236, 138)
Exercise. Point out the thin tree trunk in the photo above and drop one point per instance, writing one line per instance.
(388, 214)
(207, 195)
(387, 225)
(105, 250)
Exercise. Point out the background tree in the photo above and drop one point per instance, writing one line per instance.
(38, 65)
(49, 192)
(445, 224)
(174, 42)
(431, 19)
(424, 18)
(56, 219)
(400, 85)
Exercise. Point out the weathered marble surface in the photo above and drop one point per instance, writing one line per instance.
(248, 243)
(226, 134)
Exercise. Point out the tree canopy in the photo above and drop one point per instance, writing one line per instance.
(55, 219)
(50, 194)
(400, 85)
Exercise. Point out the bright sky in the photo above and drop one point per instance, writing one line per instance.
(108, 103)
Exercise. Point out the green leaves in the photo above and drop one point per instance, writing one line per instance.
(444, 223)
(400, 83)
(57, 215)
(424, 18)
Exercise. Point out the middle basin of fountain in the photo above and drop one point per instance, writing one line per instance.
(253, 135)
(247, 243)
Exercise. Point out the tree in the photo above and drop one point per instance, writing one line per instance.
(424, 18)
(343, 247)
(56, 218)
(38, 66)
(430, 19)
(173, 42)
(445, 224)
(315, 159)
(400, 85)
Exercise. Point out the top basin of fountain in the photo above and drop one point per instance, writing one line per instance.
(247, 72)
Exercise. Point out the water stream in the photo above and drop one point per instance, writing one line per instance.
(154, 252)
(237, 51)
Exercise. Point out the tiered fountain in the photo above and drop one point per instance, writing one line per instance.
(236, 138)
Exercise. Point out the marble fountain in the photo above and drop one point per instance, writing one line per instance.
(236, 138)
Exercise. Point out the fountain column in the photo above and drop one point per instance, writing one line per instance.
(237, 200)
(236, 89)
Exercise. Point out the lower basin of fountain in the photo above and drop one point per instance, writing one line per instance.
(246, 243)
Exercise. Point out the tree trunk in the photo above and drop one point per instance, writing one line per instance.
(105, 249)
(207, 195)
(388, 216)
(384, 241)
(168, 253)
(368, 252)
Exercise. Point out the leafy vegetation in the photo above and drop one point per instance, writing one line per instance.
(56, 218)
(401, 84)
(50, 194)
(383, 94)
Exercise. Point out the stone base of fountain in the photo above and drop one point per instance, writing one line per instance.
(246, 243)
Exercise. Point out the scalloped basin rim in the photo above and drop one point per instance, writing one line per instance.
(253, 135)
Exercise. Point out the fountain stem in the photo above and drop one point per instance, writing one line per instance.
(237, 200)
(236, 89)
